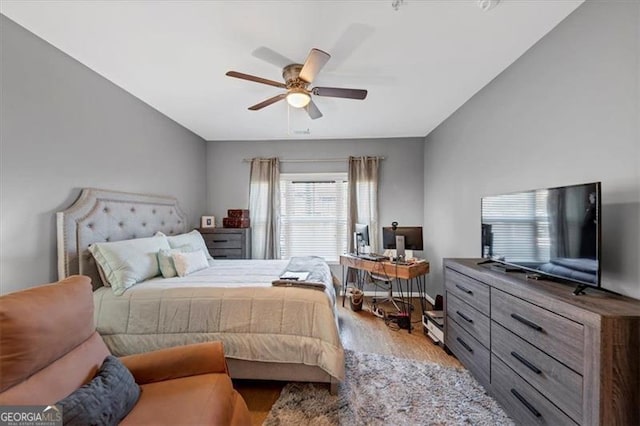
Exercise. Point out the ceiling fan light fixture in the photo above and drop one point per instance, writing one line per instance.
(298, 98)
(297, 79)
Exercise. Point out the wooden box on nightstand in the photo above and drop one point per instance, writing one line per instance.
(228, 243)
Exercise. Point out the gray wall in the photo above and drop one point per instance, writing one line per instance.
(64, 127)
(401, 173)
(566, 112)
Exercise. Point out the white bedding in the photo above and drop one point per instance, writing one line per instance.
(224, 273)
(228, 273)
(232, 301)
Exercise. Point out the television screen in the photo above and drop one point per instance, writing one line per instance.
(554, 231)
(412, 237)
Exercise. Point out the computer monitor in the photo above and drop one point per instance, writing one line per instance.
(360, 238)
(362, 231)
(412, 237)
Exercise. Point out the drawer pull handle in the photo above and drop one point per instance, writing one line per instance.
(463, 343)
(464, 317)
(527, 364)
(526, 403)
(220, 241)
(466, 290)
(526, 322)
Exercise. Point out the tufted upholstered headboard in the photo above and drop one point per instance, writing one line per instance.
(99, 215)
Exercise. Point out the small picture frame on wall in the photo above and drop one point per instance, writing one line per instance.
(208, 222)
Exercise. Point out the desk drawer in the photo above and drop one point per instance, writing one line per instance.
(469, 290)
(556, 335)
(469, 351)
(469, 318)
(557, 382)
(521, 400)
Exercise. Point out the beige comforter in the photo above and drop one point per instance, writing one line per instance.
(255, 321)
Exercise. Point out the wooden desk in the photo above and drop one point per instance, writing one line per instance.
(389, 269)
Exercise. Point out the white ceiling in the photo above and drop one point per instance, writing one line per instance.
(419, 63)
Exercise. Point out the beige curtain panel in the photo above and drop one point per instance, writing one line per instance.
(264, 208)
(363, 198)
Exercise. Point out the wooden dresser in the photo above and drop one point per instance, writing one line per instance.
(228, 243)
(548, 356)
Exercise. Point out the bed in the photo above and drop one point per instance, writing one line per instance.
(284, 333)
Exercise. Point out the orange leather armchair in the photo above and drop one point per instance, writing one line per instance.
(49, 348)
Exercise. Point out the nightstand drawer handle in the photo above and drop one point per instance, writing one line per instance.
(527, 364)
(526, 403)
(220, 256)
(463, 343)
(464, 317)
(526, 322)
(466, 290)
(220, 241)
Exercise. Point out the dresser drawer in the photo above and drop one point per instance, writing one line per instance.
(226, 253)
(221, 241)
(469, 351)
(557, 382)
(469, 318)
(471, 291)
(522, 402)
(556, 335)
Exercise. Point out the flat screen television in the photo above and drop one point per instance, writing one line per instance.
(554, 232)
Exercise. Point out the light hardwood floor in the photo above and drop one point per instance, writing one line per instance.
(362, 332)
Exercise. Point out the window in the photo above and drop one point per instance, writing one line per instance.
(313, 215)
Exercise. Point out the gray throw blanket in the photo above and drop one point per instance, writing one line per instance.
(319, 276)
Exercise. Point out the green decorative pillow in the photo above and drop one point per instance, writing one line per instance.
(128, 262)
(193, 238)
(105, 400)
(167, 266)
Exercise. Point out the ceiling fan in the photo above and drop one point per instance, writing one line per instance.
(297, 78)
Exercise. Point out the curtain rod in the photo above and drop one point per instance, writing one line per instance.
(310, 160)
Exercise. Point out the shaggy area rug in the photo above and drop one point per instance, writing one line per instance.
(385, 390)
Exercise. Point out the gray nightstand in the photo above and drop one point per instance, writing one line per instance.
(228, 243)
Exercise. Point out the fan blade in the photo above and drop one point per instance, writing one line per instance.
(336, 92)
(272, 57)
(255, 79)
(314, 63)
(313, 111)
(268, 102)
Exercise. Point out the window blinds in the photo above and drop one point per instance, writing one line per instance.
(313, 215)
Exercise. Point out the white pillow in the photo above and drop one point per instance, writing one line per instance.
(189, 262)
(103, 278)
(128, 262)
(165, 261)
(193, 238)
